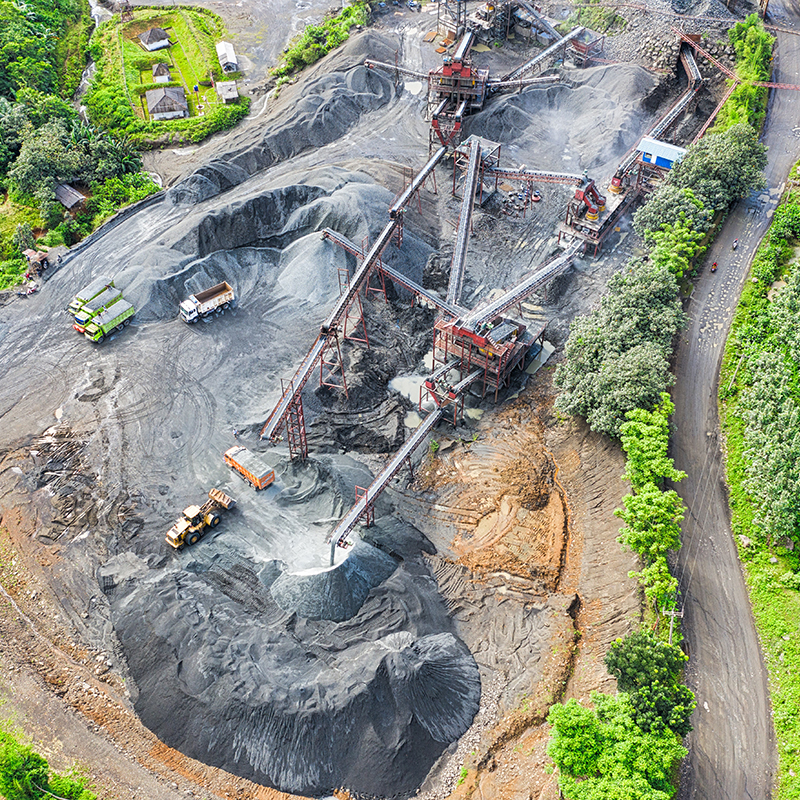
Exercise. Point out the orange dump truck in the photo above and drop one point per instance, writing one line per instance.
(258, 474)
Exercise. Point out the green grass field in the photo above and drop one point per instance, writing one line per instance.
(117, 97)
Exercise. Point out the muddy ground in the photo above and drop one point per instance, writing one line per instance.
(491, 583)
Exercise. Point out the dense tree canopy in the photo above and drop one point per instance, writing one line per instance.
(669, 205)
(722, 167)
(645, 440)
(616, 356)
(603, 753)
(650, 672)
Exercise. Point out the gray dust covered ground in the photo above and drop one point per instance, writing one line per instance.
(244, 651)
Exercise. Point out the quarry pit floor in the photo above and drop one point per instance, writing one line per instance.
(505, 538)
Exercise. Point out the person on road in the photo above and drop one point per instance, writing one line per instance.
(714, 267)
(735, 243)
(235, 434)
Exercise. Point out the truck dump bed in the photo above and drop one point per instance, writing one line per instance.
(250, 467)
(108, 316)
(105, 298)
(89, 292)
(210, 294)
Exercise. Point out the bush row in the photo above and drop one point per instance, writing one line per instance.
(318, 40)
(748, 103)
(760, 412)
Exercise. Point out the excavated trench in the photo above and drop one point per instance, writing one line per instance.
(245, 651)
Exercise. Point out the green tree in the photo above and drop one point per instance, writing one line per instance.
(23, 238)
(650, 672)
(658, 583)
(652, 522)
(616, 356)
(625, 761)
(645, 440)
(722, 167)
(674, 246)
(670, 205)
(576, 744)
(46, 157)
(640, 659)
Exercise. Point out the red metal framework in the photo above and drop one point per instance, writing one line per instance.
(495, 351)
(368, 516)
(331, 366)
(295, 425)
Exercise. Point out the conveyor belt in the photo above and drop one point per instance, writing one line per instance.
(544, 55)
(464, 224)
(539, 80)
(453, 309)
(516, 295)
(539, 18)
(278, 415)
(534, 175)
(695, 84)
(464, 46)
(350, 520)
(417, 182)
(450, 308)
(406, 73)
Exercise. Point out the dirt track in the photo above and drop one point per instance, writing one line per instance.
(732, 749)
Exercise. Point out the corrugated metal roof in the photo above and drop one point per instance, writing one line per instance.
(67, 196)
(660, 149)
(227, 90)
(153, 35)
(168, 98)
(226, 53)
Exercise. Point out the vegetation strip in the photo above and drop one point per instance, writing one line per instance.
(614, 374)
(748, 103)
(759, 399)
(25, 775)
(116, 99)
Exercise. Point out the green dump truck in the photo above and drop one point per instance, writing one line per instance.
(96, 306)
(98, 285)
(112, 319)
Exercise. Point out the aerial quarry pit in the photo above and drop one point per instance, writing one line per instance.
(436, 560)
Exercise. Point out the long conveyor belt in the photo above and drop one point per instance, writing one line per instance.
(464, 225)
(279, 413)
(526, 287)
(350, 520)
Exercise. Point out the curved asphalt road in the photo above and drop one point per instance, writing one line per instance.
(732, 752)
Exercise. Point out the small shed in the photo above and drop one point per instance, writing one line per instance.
(68, 197)
(227, 91)
(658, 153)
(168, 102)
(154, 39)
(36, 258)
(161, 73)
(227, 57)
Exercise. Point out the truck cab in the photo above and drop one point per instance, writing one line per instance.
(189, 312)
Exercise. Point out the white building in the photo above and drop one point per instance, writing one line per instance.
(167, 103)
(154, 39)
(227, 57)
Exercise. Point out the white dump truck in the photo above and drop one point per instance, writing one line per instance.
(204, 303)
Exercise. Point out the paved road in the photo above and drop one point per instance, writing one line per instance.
(732, 749)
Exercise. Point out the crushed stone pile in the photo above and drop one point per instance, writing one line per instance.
(227, 676)
(589, 127)
(321, 110)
